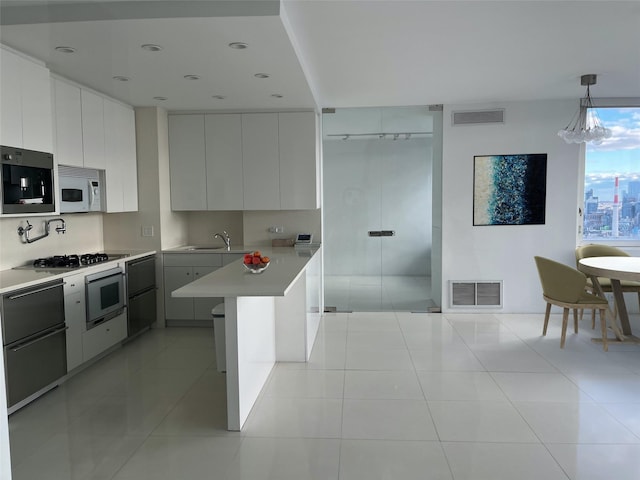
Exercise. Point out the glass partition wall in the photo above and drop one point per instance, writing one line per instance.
(378, 209)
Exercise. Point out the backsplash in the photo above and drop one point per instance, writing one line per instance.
(252, 227)
(257, 223)
(84, 235)
(85, 232)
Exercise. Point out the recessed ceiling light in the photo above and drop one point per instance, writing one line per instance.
(239, 45)
(65, 49)
(161, 99)
(218, 97)
(261, 75)
(150, 47)
(192, 77)
(276, 95)
(121, 78)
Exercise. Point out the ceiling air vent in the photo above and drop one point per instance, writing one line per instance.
(478, 117)
(483, 294)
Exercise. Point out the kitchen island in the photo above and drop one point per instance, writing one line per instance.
(270, 316)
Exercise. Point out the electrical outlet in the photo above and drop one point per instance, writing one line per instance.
(279, 229)
(147, 231)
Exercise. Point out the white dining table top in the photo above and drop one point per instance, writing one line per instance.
(620, 268)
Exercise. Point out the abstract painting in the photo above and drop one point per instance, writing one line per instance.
(509, 189)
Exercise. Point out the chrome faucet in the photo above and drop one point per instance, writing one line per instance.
(62, 228)
(24, 231)
(225, 238)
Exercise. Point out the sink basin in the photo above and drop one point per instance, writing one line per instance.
(205, 248)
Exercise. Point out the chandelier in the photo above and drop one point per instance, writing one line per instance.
(585, 126)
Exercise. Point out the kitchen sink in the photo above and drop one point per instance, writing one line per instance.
(205, 248)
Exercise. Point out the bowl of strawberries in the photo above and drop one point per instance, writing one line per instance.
(255, 262)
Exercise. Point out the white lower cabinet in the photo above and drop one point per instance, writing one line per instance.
(83, 344)
(104, 336)
(75, 319)
(181, 269)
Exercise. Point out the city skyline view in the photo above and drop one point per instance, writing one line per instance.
(618, 156)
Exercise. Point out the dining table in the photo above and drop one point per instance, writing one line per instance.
(616, 269)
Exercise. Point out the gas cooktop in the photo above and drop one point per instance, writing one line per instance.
(69, 262)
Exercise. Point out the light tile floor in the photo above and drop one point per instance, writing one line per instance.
(371, 293)
(385, 396)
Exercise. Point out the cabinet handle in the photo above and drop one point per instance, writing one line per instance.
(31, 292)
(382, 233)
(50, 334)
(78, 302)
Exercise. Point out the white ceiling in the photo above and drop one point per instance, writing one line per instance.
(343, 53)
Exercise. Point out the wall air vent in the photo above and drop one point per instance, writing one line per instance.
(481, 294)
(478, 117)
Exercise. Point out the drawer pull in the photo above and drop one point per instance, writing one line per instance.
(31, 292)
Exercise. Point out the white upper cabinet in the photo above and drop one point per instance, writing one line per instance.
(120, 158)
(223, 143)
(128, 143)
(261, 161)
(10, 99)
(187, 167)
(37, 131)
(67, 123)
(248, 161)
(96, 132)
(299, 165)
(92, 129)
(25, 103)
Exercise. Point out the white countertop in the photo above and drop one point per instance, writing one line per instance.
(287, 263)
(16, 279)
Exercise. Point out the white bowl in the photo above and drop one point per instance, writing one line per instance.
(259, 268)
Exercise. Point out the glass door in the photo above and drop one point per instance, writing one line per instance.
(377, 209)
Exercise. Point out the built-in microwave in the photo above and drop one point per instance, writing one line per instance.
(79, 190)
(27, 181)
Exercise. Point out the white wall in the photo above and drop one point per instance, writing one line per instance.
(506, 252)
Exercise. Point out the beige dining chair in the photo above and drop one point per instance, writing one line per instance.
(598, 250)
(564, 287)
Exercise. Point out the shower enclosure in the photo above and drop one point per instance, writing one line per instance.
(379, 208)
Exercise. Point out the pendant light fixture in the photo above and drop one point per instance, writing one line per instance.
(585, 126)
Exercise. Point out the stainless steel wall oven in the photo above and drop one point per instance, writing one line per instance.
(27, 181)
(104, 296)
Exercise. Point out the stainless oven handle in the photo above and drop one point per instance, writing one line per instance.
(36, 340)
(114, 272)
(31, 292)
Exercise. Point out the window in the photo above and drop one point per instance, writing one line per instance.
(612, 179)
